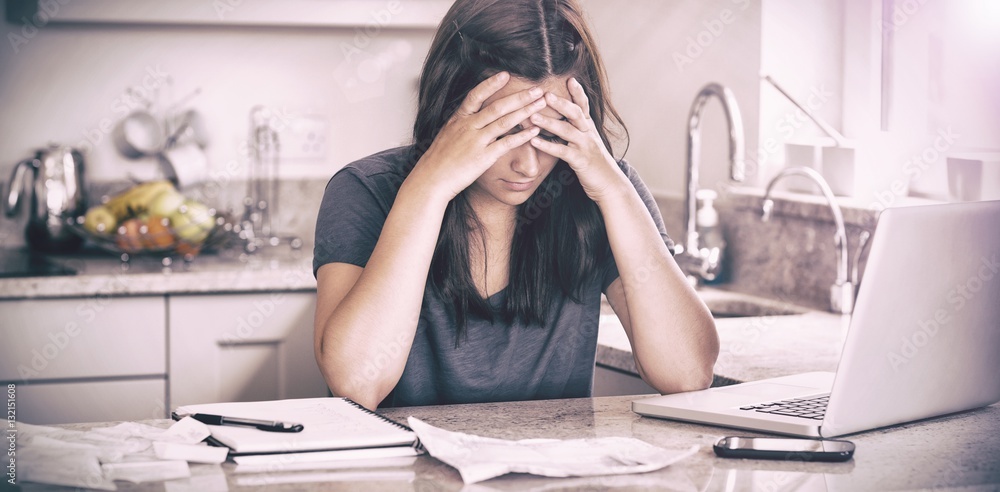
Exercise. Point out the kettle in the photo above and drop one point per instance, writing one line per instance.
(55, 177)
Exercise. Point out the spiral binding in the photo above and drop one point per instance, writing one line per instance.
(382, 417)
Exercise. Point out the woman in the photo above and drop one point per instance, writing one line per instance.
(469, 266)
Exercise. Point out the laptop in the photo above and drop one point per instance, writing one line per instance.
(924, 339)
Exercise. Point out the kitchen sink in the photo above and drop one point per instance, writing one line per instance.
(725, 304)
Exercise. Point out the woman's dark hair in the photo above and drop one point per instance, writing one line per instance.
(559, 239)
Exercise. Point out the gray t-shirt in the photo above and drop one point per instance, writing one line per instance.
(495, 362)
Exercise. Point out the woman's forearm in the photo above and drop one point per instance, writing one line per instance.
(673, 336)
(366, 339)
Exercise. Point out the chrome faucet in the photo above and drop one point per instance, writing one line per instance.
(695, 257)
(842, 290)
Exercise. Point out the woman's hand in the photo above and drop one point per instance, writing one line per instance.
(470, 142)
(583, 149)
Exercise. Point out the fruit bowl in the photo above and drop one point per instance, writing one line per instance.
(151, 218)
(150, 236)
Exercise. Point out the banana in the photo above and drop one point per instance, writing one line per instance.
(136, 198)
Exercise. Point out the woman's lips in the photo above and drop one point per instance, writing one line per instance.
(518, 185)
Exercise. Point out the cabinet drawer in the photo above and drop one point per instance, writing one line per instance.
(85, 337)
(96, 401)
(243, 347)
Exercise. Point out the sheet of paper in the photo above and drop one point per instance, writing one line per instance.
(271, 479)
(480, 458)
(398, 462)
(97, 457)
(146, 471)
(192, 453)
(204, 478)
(70, 466)
(186, 431)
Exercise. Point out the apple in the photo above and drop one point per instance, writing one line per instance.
(158, 234)
(165, 203)
(129, 237)
(100, 220)
(193, 221)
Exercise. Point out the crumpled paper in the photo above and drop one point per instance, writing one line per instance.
(481, 458)
(97, 457)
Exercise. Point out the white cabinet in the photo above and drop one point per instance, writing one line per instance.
(242, 347)
(84, 359)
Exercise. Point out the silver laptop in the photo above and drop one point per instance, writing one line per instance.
(924, 338)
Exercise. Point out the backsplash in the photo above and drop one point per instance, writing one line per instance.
(790, 258)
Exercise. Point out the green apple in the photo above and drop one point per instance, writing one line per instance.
(165, 203)
(100, 220)
(192, 221)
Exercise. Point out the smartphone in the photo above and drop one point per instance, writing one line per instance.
(775, 448)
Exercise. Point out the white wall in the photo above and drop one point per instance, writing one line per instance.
(802, 50)
(659, 54)
(68, 83)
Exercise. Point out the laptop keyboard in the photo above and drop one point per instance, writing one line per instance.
(812, 407)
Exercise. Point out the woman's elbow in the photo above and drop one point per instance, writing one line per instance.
(347, 384)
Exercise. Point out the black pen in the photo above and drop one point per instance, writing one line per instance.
(264, 425)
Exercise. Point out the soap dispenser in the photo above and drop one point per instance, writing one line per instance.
(710, 241)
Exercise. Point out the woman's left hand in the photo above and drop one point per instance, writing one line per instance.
(582, 148)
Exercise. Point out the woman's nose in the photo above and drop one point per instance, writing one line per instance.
(525, 161)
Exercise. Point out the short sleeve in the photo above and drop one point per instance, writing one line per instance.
(349, 223)
(611, 268)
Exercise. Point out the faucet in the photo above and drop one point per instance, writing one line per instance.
(842, 290)
(693, 256)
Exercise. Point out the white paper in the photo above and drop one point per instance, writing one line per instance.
(97, 457)
(186, 431)
(398, 462)
(204, 478)
(72, 467)
(146, 471)
(480, 458)
(192, 453)
(268, 479)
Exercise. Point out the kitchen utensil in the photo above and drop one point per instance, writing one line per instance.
(184, 165)
(139, 134)
(56, 177)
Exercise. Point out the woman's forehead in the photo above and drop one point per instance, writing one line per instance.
(555, 85)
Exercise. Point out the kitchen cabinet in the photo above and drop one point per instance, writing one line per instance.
(85, 359)
(242, 347)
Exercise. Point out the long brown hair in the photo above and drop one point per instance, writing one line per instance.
(560, 240)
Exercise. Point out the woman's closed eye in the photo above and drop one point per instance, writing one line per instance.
(544, 135)
(549, 137)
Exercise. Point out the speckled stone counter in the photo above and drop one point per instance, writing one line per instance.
(955, 452)
(101, 274)
(752, 348)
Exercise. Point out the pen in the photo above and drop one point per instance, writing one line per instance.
(264, 425)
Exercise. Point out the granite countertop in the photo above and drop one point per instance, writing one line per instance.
(752, 348)
(104, 274)
(956, 452)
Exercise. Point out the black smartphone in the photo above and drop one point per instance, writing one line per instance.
(776, 448)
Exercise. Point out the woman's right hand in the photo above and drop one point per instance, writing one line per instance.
(470, 142)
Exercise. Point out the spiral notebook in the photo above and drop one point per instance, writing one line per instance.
(328, 424)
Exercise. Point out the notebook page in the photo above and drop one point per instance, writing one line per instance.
(329, 423)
